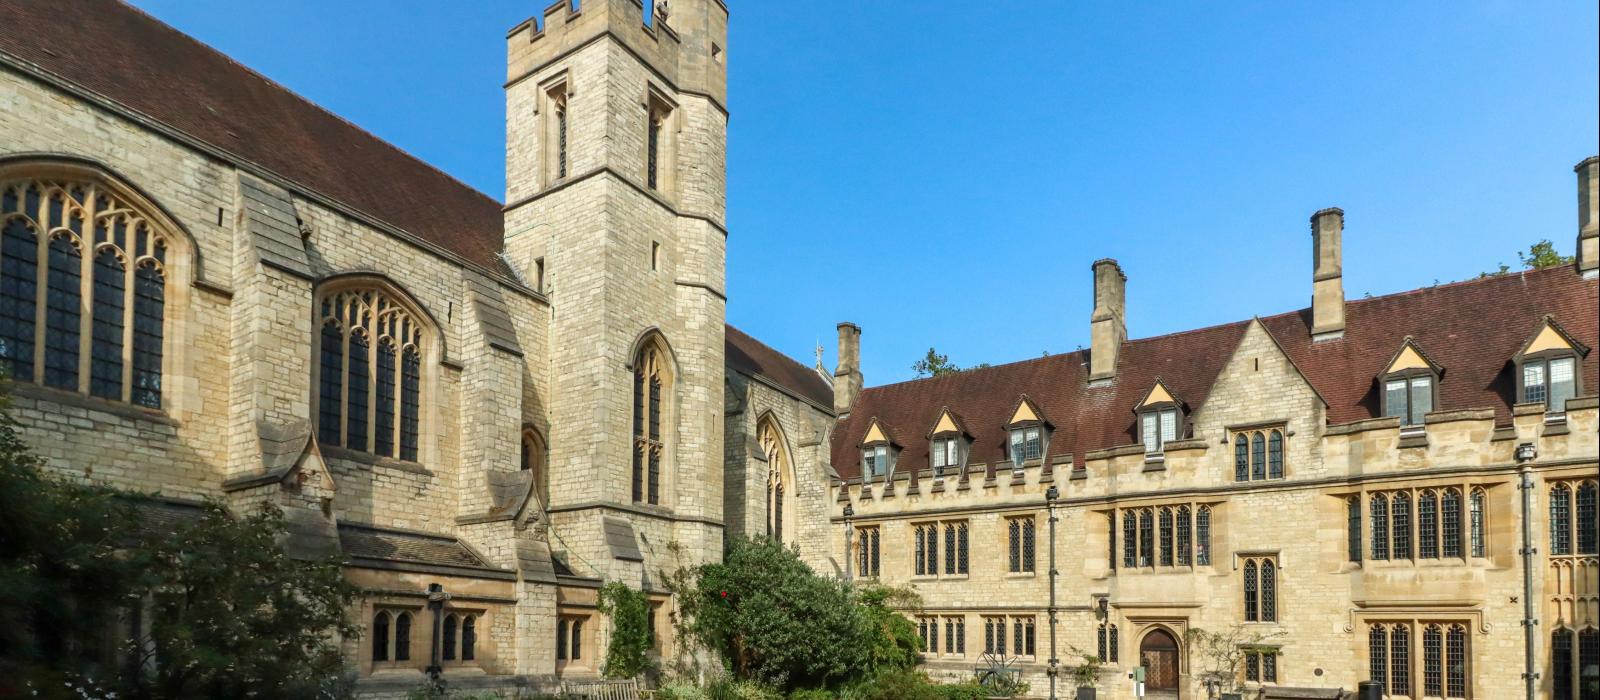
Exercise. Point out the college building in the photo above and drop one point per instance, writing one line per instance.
(213, 288)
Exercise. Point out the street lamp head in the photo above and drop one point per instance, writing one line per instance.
(1052, 493)
(1526, 452)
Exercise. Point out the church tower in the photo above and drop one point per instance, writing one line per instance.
(616, 132)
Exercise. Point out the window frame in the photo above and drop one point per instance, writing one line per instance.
(948, 446)
(1409, 376)
(376, 295)
(1157, 411)
(1261, 445)
(1545, 359)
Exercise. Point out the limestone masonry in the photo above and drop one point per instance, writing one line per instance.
(210, 287)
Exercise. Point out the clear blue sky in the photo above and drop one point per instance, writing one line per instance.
(943, 173)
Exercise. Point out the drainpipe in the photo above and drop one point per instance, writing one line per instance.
(1526, 453)
(1050, 496)
(849, 556)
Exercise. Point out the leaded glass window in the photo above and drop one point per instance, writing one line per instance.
(1450, 523)
(1477, 523)
(1587, 519)
(1130, 541)
(369, 373)
(1275, 455)
(1455, 662)
(1157, 428)
(1258, 457)
(1378, 656)
(1241, 458)
(1185, 543)
(63, 317)
(1560, 519)
(110, 298)
(1353, 526)
(778, 475)
(1251, 584)
(1432, 661)
(1408, 398)
(1380, 527)
(402, 637)
(649, 383)
(447, 641)
(1427, 526)
(1550, 381)
(1026, 444)
(1400, 660)
(1166, 536)
(1202, 535)
(1561, 676)
(1269, 591)
(380, 636)
(1402, 525)
(1147, 538)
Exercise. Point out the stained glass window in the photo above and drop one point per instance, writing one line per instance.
(110, 298)
(649, 386)
(369, 374)
(63, 313)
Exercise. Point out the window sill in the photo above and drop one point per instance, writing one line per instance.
(371, 460)
(62, 397)
(1022, 574)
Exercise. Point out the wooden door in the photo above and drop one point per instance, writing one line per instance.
(1158, 653)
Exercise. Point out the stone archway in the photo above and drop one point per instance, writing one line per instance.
(1158, 653)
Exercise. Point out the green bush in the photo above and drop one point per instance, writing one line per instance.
(733, 689)
(629, 611)
(812, 694)
(962, 691)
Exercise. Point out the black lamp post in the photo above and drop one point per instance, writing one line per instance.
(1050, 496)
(436, 601)
(849, 556)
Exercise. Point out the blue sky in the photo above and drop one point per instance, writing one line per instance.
(944, 176)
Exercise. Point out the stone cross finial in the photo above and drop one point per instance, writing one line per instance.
(818, 351)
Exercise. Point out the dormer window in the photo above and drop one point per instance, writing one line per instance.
(1027, 434)
(875, 461)
(1550, 381)
(1548, 369)
(1027, 444)
(1410, 383)
(1157, 427)
(945, 455)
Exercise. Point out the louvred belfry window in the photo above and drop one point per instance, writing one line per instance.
(369, 373)
(82, 290)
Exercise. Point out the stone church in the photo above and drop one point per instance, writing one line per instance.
(212, 288)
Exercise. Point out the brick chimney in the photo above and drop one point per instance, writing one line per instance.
(1327, 274)
(847, 379)
(1107, 328)
(1588, 213)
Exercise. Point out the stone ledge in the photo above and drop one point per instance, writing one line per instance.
(39, 392)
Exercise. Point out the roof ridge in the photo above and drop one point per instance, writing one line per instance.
(775, 351)
(296, 95)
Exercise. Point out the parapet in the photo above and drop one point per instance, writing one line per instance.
(686, 47)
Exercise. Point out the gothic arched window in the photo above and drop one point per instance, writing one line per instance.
(89, 255)
(652, 381)
(533, 460)
(780, 488)
(369, 390)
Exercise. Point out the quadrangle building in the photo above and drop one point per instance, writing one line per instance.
(210, 287)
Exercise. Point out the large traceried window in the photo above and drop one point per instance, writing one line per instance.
(369, 386)
(83, 288)
(652, 380)
(780, 485)
(1258, 455)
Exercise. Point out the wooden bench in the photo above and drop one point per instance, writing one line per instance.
(604, 690)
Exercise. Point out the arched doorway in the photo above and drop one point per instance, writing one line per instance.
(1158, 653)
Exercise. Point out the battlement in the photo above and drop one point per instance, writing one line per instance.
(685, 46)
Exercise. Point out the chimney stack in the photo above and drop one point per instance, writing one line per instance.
(1588, 213)
(847, 380)
(1327, 274)
(1107, 328)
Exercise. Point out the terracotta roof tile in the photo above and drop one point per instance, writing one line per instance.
(123, 54)
(750, 356)
(1471, 328)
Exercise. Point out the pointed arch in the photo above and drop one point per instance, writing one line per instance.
(535, 459)
(377, 349)
(654, 374)
(780, 478)
(92, 264)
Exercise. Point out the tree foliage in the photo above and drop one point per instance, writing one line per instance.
(629, 611)
(225, 612)
(235, 616)
(773, 620)
(936, 365)
(1219, 656)
(1540, 255)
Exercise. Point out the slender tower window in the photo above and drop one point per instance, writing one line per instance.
(369, 374)
(649, 380)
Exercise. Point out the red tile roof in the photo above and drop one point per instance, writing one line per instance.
(121, 53)
(750, 356)
(1472, 329)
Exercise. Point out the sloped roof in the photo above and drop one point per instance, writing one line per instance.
(1474, 328)
(753, 357)
(365, 542)
(119, 52)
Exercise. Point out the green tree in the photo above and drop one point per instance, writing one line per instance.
(236, 616)
(934, 365)
(629, 611)
(63, 578)
(1540, 255)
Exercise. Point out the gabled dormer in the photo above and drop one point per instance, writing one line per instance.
(948, 444)
(878, 451)
(1027, 434)
(1161, 418)
(1549, 367)
(1410, 383)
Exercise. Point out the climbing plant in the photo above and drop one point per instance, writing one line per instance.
(629, 611)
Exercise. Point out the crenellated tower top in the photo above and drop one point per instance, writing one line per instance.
(685, 46)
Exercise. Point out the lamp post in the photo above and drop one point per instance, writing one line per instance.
(1524, 454)
(436, 601)
(849, 556)
(1050, 496)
